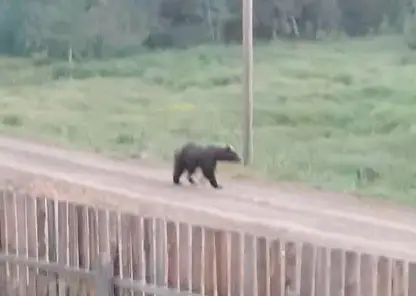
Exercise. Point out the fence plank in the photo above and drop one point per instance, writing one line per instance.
(352, 276)
(13, 276)
(196, 259)
(180, 256)
(103, 275)
(323, 272)
(308, 270)
(73, 246)
(385, 279)
(3, 239)
(338, 272)
(189, 248)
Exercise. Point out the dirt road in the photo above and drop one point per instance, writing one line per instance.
(342, 220)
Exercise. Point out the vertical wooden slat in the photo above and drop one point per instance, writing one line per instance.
(196, 259)
(412, 278)
(52, 245)
(21, 240)
(154, 238)
(327, 268)
(92, 236)
(366, 275)
(291, 256)
(405, 283)
(31, 242)
(159, 227)
(125, 248)
(255, 270)
(323, 272)
(374, 273)
(83, 231)
(130, 236)
(308, 270)
(395, 278)
(209, 262)
(385, 277)
(268, 267)
(299, 259)
(248, 264)
(120, 245)
(221, 268)
(242, 262)
(3, 239)
(352, 274)
(7, 236)
(166, 253)
(313, 268)
(282, 265)
(25, 245)
(203, 252)
(73, 245)
(261, 266)
(61, 235)
(135, 249)
(342, 267)
(275, 267)
(16, 248)
(102, 231)
(41, 221)
(84, 243)
(214, 256)
(93, 240)
(236, 263)
(189, 240)
(178, 256)
(337, 272)
(143, 259)
(228, 241)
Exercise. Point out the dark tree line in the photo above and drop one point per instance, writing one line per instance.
(99, 28)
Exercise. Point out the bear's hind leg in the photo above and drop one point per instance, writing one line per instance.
(210, 175)
(191, 171)
(177, 172)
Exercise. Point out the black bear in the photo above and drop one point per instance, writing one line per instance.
(192, 156)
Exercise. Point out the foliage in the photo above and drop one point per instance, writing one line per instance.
(84, 29)
(410, 28)
(334, 115)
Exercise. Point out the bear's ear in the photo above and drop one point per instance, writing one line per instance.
(230, 148)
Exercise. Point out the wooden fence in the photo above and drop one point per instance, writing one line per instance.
(52, 245)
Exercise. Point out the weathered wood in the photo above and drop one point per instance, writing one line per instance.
(352, 274)
(103, 275)
(61, 218)
(385, 279)
(282, 265)
(189, 248)
(308, 270)
(187, 258)
(3, 241)
(46, 267)
(323, 272)
(338, 272)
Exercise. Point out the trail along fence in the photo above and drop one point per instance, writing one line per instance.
(52, 245)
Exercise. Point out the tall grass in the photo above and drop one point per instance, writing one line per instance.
(336, 115)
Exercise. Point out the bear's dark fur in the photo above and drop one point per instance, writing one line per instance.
(192, 156)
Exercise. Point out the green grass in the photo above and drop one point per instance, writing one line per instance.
(322, 111)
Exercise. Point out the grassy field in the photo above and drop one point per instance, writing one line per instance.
(323, 111)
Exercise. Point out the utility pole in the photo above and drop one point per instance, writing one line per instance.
(248, 81)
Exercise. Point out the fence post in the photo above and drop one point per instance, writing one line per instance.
(103, 280)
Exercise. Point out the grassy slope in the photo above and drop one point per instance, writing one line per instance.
(322, 111)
